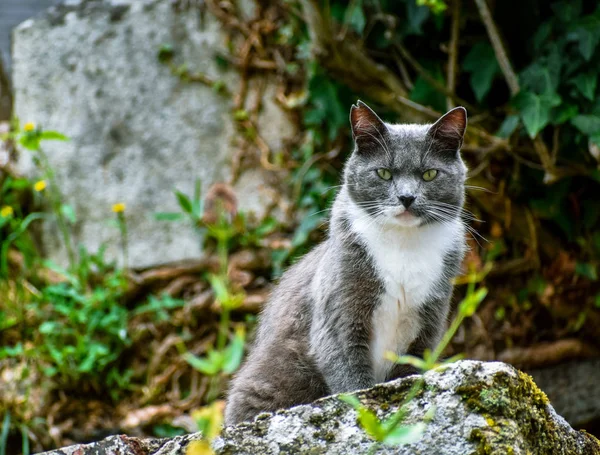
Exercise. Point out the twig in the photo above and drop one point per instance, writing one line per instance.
(430, 79)
(492, 31)
(453, 51)
(403, 71)
(544, 354)
(418, 107)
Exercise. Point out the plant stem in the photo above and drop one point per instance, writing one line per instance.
(56, 198)
(453, 52)
(501, 56)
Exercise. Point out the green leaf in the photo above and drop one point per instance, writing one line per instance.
(219, 287)
(4, 433)
(351, 400)
(470, 303)
(165, 53)
(587, 33)
(508, 126)
(184, 202)
(209, 367)
(587, 270)
(30, 141)
(69, 213)
(416, 16)
(587, 124)
(408, 360)
(355, 17)
(535, 110)
(240, 115)
(586, 84)
(168, 216)
(564, 113)
(52, 136)
(405, 434)
(423, 93)
(370, 423)
(234, 353)
(47, 327)
(482, 64)
(197, 204)
(95, 351)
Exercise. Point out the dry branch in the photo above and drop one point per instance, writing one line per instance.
(545, 354)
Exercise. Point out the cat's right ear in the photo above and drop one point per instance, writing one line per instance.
(368, 130)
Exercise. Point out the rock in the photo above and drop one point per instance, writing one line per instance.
(574, 390)
(480, 408)
(89, 69)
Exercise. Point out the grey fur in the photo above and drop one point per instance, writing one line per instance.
(314, 334)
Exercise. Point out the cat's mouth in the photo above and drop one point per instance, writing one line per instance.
(407, 218)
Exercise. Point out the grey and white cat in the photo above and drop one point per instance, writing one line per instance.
(380, 282)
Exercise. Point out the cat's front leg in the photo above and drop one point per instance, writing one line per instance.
(434, 315)
(342, 352)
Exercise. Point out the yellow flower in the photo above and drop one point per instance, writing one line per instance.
(40, 185)
(29, 126)
(199, 448)
(6, 211)
(119, 207)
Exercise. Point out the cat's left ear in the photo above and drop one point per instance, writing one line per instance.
(449, 131)
(368, 130)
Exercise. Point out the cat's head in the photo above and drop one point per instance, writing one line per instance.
(407, 175)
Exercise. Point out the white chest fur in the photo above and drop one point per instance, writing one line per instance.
(410, 261)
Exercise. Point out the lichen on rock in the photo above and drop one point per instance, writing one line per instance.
(480, 408)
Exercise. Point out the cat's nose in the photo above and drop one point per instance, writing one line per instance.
(406, 200)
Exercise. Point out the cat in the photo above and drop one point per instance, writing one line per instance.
(382, 281)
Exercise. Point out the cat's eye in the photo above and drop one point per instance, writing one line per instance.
(384, 173)
(429, 175)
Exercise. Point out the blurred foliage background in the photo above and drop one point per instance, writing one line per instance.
(96, 349)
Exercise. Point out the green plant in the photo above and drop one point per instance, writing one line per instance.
(84, 332)
(225, 357)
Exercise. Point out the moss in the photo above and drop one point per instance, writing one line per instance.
(325, 435)
(516, 409)
(317, 420)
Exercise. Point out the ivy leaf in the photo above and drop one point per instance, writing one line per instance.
(587, 270)
(355, 17)
(587, 124)
(416, 15)
(508, 126)
(482, 64)
(535, 110)
(586, 84)
(587, 33)
(564, 113)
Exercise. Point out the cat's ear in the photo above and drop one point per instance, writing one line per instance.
(449, 131)
(368, 130)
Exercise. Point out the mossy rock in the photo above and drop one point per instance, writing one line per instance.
(480, 408)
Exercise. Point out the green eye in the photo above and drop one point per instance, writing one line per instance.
(429, 175)
(384, 173)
